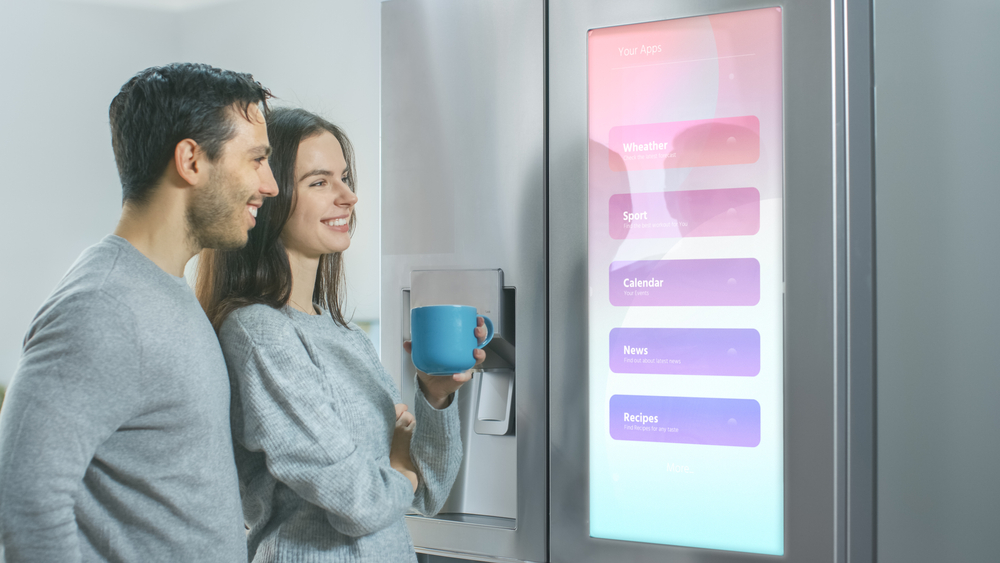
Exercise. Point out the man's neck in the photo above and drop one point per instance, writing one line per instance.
(159, 230)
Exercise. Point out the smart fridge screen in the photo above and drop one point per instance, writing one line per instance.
(685, 275)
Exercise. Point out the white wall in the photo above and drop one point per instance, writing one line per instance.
(937, 72)
(61, 63)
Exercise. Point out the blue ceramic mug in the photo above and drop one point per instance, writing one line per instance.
(442, 338)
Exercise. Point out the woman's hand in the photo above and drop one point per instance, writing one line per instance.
(399, 451)
(438, 389)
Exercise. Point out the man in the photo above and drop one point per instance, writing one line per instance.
(115, 442)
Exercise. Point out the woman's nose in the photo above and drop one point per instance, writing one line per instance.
(348, 197)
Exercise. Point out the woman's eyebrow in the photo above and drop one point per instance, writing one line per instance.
(317, 172)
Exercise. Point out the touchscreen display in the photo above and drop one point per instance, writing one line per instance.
(685, 277)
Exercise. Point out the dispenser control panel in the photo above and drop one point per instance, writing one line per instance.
(685, 276)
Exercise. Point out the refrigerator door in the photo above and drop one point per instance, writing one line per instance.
(667, 441)
(463, 190)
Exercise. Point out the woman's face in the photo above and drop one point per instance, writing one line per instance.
(324, 202)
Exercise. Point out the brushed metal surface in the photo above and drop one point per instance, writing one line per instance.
(938, 312)
(463, 187)
(815, 304)
(440, 556)
(859, 111)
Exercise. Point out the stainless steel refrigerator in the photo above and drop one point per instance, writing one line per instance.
(666, 208)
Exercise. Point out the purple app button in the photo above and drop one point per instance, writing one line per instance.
(692, 213)
(686, 351)
(685, 420)
(715, 281)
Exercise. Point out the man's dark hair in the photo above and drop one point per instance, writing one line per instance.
(162, 106)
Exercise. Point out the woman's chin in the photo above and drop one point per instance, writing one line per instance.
(335, 248)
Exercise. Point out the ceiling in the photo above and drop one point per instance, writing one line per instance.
(166, 5)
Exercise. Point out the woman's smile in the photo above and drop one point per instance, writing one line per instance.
(339, 224)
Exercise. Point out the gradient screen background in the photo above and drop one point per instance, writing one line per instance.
(685, 276)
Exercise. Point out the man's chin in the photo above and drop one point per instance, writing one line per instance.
(237, 243)
(227, 243)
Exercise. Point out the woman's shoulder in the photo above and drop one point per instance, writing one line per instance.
(258, 322)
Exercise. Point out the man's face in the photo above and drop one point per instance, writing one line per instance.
(221, 211)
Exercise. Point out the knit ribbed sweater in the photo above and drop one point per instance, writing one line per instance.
(312, 417)
(115, 443)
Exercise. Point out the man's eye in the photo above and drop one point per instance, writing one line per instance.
(261, 160)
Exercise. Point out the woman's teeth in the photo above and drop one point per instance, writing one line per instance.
(335, 222)
(253, 210)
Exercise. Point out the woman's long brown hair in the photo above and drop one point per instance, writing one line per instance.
(260, 272)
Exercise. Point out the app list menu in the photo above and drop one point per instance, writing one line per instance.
(714, 282)
(685, 259)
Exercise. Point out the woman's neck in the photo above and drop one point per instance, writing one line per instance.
(303, 281)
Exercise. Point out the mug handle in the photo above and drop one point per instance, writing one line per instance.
(489, 331)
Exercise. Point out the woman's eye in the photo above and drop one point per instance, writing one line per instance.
(318, 184)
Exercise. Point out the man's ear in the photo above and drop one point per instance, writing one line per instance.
(189, 161)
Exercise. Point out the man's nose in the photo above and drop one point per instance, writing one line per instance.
(268, 186)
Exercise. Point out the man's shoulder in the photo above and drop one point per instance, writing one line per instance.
(91, 269)
(111, 266)
(90, 284)
(86, 311)
(107, 287)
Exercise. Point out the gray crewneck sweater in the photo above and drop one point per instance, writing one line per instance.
(115, 442)
(312, 419)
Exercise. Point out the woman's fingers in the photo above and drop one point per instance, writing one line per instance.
(406, 421)
(400, 409)
(407, 418)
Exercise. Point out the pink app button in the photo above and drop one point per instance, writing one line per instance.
(693, 213)
(683, 144)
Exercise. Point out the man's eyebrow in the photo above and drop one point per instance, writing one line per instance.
(317, 172)
(262, 150)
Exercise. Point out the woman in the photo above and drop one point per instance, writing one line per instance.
(326, 463)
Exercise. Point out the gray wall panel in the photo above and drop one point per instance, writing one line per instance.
(937, 73)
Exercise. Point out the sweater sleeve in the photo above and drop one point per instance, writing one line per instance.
(436, 451)
(73, 388)
(281, 411)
